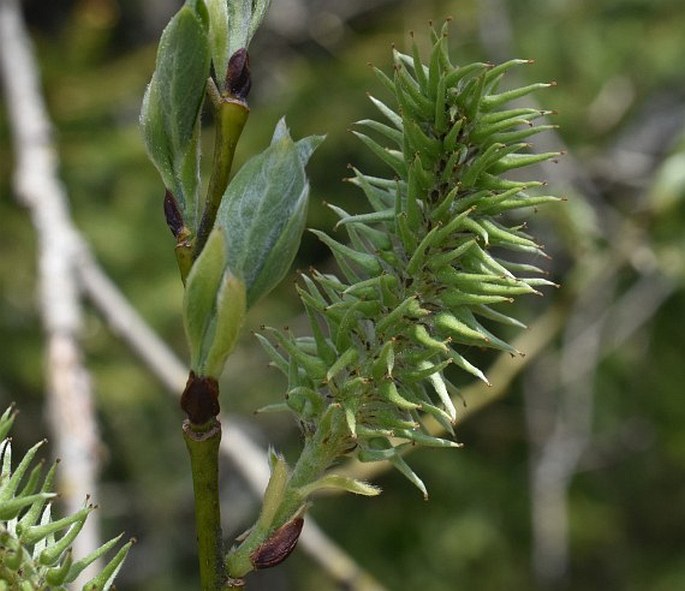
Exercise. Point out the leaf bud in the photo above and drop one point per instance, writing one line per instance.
(172, 214)
(238, 78)
(279, 545)
(200, 399)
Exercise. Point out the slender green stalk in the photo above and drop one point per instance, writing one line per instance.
(203, 448)
(231, 115)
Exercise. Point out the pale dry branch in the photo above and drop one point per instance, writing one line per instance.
(124, 321)
(560, 437)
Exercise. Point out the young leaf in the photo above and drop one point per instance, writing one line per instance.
(214, 307)
(170, 114)
(263, 213)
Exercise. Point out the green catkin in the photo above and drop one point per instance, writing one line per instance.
(420, 282)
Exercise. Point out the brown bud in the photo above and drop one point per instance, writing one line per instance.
(279, 546)
(238, 79)
(172, 213)
(200, 399)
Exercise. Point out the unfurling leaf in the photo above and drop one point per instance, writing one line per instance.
(263, 213)
(171, 107)
(338, 482)
(214, 308)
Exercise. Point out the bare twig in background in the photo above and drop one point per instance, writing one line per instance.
(36, 186)
(124, 321)
(595, 330)
(559, 391)
(557, 453)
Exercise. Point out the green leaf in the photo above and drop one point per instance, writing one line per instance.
(338, 482)
(263, 213)
(230, 313)
(214, 308)
(275, 489)
(244, 18)
(171, 106)
(218, 35)
(182, 70)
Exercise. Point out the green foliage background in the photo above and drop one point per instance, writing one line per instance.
(620, 100)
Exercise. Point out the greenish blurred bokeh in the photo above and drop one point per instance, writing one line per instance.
(618, 247)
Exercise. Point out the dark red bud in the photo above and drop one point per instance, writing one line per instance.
(238, 79)
(279, 546)
(172, 213)
(200, 399)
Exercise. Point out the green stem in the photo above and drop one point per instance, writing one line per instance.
(203, 448)
(231, 115)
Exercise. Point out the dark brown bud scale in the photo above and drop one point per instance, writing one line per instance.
(200, 399)
(279, 546)
(238, 78)
(172, 213)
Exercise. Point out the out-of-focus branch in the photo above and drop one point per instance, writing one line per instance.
(598, 323)
(560, 437)
(128, 325)
(36, 186)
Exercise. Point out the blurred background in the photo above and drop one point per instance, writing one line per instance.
(575, 478)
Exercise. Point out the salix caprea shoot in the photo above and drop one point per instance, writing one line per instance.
(426, 274)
